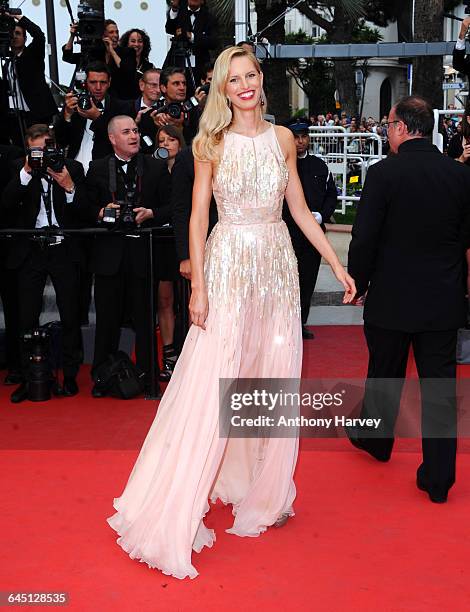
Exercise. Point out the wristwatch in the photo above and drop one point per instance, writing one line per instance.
(71, 190)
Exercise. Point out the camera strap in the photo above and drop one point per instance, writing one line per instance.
(136, 183)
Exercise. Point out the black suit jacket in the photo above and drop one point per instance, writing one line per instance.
(182, 180)
(70, 134)
(23, 202)
(407, 247)
(30, 69)
(109, 249)
(319, 191)
(461, 61)
(204, 31)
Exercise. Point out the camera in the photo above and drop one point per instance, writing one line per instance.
(205, 88)
(80, 90)
(174, 109)
(90, 23)
(125, 218)
(39, 159)
(40, 377)
(161, 153)
(7, 26)
(467, 8)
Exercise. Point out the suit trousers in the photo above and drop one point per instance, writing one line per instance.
(308, 261)
(119, 297)
(40, 263)
(434, 353)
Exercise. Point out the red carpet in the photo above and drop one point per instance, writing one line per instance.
(364, 537)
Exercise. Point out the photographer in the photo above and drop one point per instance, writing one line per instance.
(41, 196)
(24, 80)
(83, 125)
(194, 35)
(320, 194)
(132, 189)
(461, 61)
(121, 61)
(174, 91)
(145, 108)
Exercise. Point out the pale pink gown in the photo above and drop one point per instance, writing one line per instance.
(253, 330)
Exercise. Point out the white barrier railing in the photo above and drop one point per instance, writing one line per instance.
(344, 152)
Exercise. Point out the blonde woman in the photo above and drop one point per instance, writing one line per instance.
(246, 323)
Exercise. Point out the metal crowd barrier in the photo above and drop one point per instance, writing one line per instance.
(158, 233)
(344, 152)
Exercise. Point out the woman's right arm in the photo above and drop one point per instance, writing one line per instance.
(198, 225)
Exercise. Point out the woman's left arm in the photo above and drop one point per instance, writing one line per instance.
(304, 218)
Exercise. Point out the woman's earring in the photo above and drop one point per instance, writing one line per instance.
(261, 100)
(229, 102)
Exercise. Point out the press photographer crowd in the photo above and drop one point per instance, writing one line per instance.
(116, 159)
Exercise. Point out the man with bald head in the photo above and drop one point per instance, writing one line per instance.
(407, 255)
(124, 181)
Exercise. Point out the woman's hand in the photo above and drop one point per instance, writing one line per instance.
(348, 284)
(199, 307)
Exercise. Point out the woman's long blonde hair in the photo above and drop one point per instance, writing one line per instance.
(217, 115)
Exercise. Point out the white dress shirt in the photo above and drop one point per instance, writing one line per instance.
(84, 155)
(42, 220)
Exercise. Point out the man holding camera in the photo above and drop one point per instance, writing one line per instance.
(145, 108)
(171, 109)
(124, 191)
(193, 29)
(83, 124)
(41, 196)
(24, 83)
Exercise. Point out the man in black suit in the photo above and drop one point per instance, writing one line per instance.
(85, 132)
(182, 180)
(461, 61)
(174, 90)
(321, 197)
(407, 254)
(39, 199)
(120, 260)
(23, 80)
(145, 109)
(194, 29)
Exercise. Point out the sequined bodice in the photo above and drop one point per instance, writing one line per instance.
(251, 179)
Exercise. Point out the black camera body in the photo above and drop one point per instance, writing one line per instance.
(7, 26)
(51, 156)
(205, 88)
(467, 8)
(174, 109)
(40, 378)
(90, 24)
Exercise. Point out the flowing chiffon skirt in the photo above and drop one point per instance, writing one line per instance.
(253, 330)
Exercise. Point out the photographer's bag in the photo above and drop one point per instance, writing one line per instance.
(119, 377)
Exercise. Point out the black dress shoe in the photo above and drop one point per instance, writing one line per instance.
(20, 394)
(437, 497)
(97, 392)
(13, 378)
(70, 386)
(369, 445)
(307, 334)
